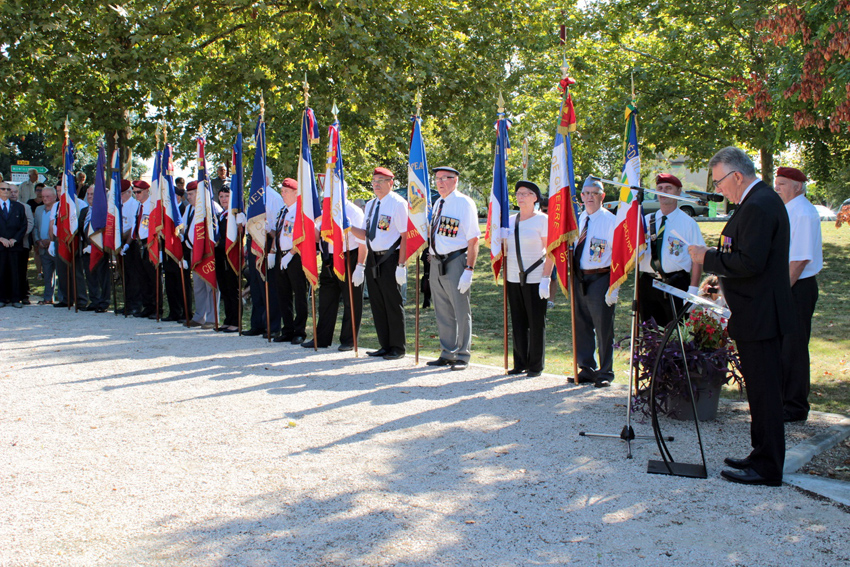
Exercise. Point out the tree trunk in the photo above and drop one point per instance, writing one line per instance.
(766, 166)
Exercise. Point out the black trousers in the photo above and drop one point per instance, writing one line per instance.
(292, 296)
(10, 279)
(796, 379)
(148, 282)
(228, 285)
(761, 366)
(23, 258)
(171, 274)
(331, 290)
(385, 300)
(79, 284)
(133, 275)
(258, 296)
(98, 281)
(528, 323)
(654, 303)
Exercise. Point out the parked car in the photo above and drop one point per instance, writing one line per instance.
(651, 205)
(825, 213)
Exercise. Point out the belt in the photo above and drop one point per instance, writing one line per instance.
(283, 252)
(596, 271)
(379, 253)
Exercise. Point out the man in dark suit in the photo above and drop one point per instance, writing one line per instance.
(752, 262)
(13, 229)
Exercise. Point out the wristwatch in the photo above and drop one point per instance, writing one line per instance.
(470, 268)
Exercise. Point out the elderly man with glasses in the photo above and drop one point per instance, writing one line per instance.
(453, 251)
(13, 230)
(751, 261)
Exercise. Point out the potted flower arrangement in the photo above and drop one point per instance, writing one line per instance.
(711, 358)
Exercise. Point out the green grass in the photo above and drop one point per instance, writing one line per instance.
(830, 344)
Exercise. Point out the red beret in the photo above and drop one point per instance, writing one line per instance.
(792, 173)
(290, 183)
(192, 185)
(141, 184)
(384, 171)
(668, 178)
(125, 185)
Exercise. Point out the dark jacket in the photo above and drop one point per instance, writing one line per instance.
(753, 268)
(13, 225)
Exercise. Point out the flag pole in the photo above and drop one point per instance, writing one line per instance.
(570, 250)
(265, 254)
(72, 245)
(157, 290)
(416, 286)
(208, 228)
(239, 239)
(504, 268)
(312, 287)
(112, 267)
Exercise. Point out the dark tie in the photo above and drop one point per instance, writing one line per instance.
(280, 219)
(436, 220)
(658, 246)
(138, 222)
(580, 243)
(373, 224)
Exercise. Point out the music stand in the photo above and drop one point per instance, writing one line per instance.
(667, 465)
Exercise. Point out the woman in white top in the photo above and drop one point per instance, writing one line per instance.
(529, 275)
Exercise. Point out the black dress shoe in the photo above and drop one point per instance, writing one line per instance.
(143, 314)
(740, 464)
(534, 373)
(460, 365)
(297, 340)
(379, 352)
(171, 318)
(582, 379)
(790, 418)
(280, 339)
(230, 329)
(254, 332)
(749, 476)
(101, 310)
(345, 348)
(603, 383)
(440, 362)
(89, 307)
(60, 304)
(515, 371)
(394, 354)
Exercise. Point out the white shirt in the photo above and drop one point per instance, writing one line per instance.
(806, 239)
(532, 235)
(674, 251)
(457, 225)
(147, 208)
(747, 190)
(596, 253)
(274, 204)
(128, 214)
(355, 218)
(284, 237)
(392, 220)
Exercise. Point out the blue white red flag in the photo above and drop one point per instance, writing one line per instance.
(257, 200)
(497, 213)
(203, 245)
(66, 222)
(418, 194)
(97, 214)
(629, 232)
(563, 205)
(335, 225)
(308, 208)
(112, 234)
(171, 217)
(233, 236)
(155, 216)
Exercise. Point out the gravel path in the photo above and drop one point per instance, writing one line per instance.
(131, 443)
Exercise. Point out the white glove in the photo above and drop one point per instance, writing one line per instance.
(401, 275)
(358, 276)
(694, 290)
(87, 250)
(184, 264)
(286, 260)
(124, 249)
(614, 297)
(52, 249)
(241, 219)
(271, 258)
(465, 281)
(160, 257)
(544, 287)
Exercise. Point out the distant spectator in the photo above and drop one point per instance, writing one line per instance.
(23, 258)
(42, 219)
